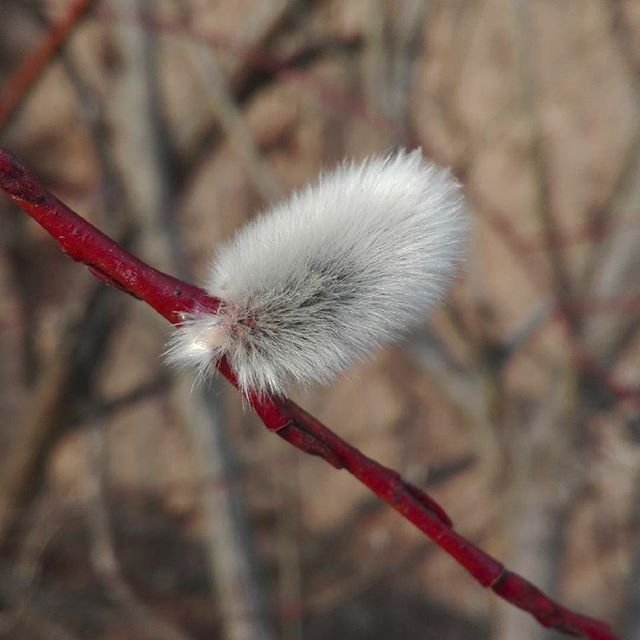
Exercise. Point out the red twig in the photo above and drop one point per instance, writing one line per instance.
(171, 298)
(23, 79)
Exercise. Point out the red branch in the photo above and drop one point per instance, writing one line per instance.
(172, 298)
(25, 76)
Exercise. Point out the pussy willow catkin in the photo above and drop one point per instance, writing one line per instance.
(319, 281)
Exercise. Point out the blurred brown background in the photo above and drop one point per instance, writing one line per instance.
(134, 507)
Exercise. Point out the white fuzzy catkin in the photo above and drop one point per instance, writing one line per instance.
(343, 266)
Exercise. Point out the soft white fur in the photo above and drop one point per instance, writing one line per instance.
(343, 266)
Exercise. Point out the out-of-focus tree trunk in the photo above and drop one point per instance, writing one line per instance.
(144, 165)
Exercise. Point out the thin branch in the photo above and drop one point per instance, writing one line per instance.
(519, 248)
(24, 78)
(171, 298)
(85, 338)
(561, 281)
(103, 552)
(231, 120)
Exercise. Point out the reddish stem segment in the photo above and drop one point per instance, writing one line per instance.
(107, 260)
(172, 298)
(26, 75)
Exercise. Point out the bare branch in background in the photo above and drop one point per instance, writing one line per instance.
(233, 567)
(145, 164)
(73, 364)
(231, 121)
(103, 553)
(24, 78)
